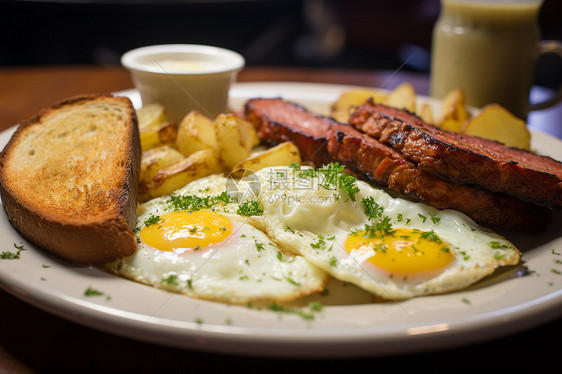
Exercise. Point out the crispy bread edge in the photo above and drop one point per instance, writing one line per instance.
(93, 243)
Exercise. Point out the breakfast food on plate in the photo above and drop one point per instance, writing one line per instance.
(463, 158)
(323, 140)
(199, 242)
(281, 241)
(268, 205)
(154, 127)
(197, 147)
(493, 122)
(391, 247)
(176, 175)
(282, 154)
(453, 112)
(68, 178)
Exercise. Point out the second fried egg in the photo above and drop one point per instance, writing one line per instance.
(391, 247)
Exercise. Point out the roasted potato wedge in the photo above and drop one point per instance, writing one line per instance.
(283, 154)
(497, 123)
(425, 112)
(195, 133)
(157, 135)
(403, 97)
(349, 100)
(453, 112)
(151, 115)
(155, 159)
(151, 118)
(236, 137)
(197, 165)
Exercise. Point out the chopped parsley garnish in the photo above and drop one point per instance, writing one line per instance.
(424, 218)
(384, 227)
(498, 256)
(259, 246)
(292, 281)
(295, 166)
(313, 307)
(171, 280)
(224, 197)
(347, 183)
(334, 175)
(152, 220)
(249, 208)
(194, 203)
(320, 242)
(331, 172)
(7, 255)
(465, 256)
(372, 208)
(288, 229)
(92, 292)
(497, 245)
(430, 235)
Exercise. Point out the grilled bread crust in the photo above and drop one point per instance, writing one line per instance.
(68, 178)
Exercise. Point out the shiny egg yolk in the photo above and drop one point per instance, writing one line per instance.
(401, 251)
(187, 230)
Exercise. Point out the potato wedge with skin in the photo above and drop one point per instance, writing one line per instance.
(155, 159)
(453, 111)
(497, 123)
(151, 115)
(235, 138)
(349, 100)
(425, 112)
(403, 97)
(197, 165)
(157, 135)
(283, 154)
(195, 133)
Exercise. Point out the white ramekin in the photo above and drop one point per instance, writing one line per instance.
(199, 79)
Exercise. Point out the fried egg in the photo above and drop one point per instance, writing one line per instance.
(194, 243)
(389, 246)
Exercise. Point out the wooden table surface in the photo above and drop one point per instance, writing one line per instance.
(32, 340)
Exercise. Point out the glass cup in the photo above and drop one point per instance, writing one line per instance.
(489, 49)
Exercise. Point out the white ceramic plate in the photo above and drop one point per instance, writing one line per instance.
(348, 326)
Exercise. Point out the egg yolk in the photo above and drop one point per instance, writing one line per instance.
(187, 230)
(401, 251)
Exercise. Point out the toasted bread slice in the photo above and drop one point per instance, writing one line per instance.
(68, 178)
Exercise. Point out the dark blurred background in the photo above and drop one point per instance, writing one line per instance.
(362, 34)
